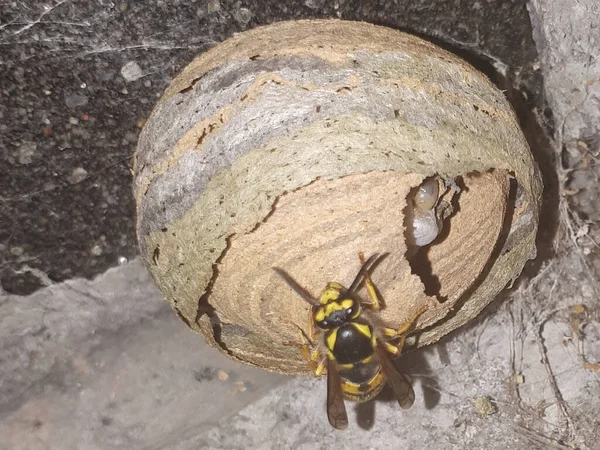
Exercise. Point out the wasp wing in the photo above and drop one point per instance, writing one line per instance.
(399, 382)
(336, 409)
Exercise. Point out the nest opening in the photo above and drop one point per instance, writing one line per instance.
(422, 263)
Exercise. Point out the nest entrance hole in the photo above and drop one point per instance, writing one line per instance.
(427, 266)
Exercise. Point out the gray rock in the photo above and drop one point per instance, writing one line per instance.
(131, 71)
(75, 100)
(26, 152)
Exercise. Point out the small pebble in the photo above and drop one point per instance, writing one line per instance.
(484, 406)
(130, 137)
(314, 4)
(79, 174)
(213, 6)
(519, 379)
(75, 100)
(16, 251)
(223, 376)
(19, 73)
(26, 152)
(131, 71)
(243, 15)
(96, 250)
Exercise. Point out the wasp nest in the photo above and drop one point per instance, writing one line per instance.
(299, 145)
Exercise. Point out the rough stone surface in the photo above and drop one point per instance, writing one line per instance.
(63, 59)
(105, 364)
(115, 381)
(569, 60)
(570, 64)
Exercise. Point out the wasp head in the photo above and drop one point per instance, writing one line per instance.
(335, 307)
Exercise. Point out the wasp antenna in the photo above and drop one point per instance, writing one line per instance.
(296, 287)
(369, 263)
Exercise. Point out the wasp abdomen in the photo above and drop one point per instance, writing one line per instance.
(361, 373)
(362, 381)
(352, 343)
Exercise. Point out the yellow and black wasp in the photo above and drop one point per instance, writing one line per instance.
(355, 350)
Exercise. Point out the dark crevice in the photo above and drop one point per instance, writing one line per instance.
(205, 132)
(156, 255)
(205, 308)
(276, 201)
(269, 214)
(419, 260)
(496, 252)
(191, 85)
(538, 136)
(182, 317)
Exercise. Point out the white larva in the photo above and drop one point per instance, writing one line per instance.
(427, 196)
(426, 225)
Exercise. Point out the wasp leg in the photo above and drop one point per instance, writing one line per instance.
(314, 357)
(401, 332)
(316, 360)
(311, 353)
(312, 331)
(319, 367)
(375, 303)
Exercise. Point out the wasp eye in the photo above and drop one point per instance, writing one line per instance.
(350, 311)
(324, 324)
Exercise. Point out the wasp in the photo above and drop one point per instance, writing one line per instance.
(353, 346)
